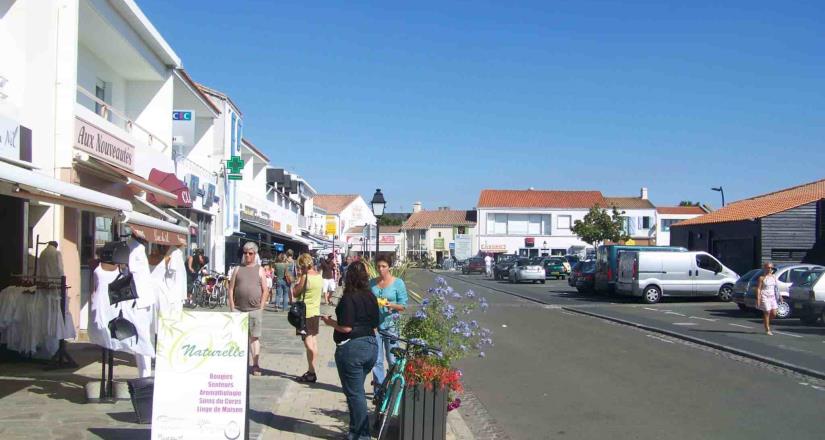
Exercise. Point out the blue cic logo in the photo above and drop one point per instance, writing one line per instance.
(182, 116)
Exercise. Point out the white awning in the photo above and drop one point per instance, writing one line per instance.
(33, 185)
(156, 230)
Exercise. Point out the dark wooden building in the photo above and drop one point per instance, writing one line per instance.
(786, 226)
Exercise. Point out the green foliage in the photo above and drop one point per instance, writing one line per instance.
(689, 203)
(390, 221)
(399, 270)
(598, 226)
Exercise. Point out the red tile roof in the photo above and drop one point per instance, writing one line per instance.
(445, 217)
(384, 229)
(334, 203)
(764, 205)
(628, 203)
(681, 210)
(497, 198)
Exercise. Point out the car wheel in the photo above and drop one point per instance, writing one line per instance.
(783, 310)
(726, 293)
(808, 318)
(742, 307)
(543, 281)
(652, 295)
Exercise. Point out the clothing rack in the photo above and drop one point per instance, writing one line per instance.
(62, 357)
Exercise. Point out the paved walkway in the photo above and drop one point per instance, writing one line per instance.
(50, 404)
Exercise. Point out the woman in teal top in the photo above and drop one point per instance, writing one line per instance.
(394, 291)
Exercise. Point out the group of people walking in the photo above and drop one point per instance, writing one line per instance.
(360, 347)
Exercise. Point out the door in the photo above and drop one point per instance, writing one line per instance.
(677, 272)
(707, 275)
(787, 278)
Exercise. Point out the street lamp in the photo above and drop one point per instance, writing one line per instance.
(378, 203)
(721, 190)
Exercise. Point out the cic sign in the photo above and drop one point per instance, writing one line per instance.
(104, 146)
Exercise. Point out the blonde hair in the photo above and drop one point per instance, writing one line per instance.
(305, 261)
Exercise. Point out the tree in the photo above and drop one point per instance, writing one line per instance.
(598, 226)
(689, 203)
(390, 221)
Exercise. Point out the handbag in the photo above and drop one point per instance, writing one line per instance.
(777, 294)
(122, 288)
(297, 314)
(121, 328)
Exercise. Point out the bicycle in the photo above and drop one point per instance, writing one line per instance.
(394, 382)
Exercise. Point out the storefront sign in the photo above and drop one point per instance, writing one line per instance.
(234, 166)
(9, 138)
(159, 236)
(493, 248)
(387, 239)
(103, 145)
(331, 225)
(438, 244)
(463, 247)
(201, 377)
(529, 242)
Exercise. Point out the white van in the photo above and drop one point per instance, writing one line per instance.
(651, 275)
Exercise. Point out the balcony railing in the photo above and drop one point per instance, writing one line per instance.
(105, 111)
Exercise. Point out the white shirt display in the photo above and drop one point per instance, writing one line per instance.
(101, 312)
(31, 320)
(170, 277)
(139, 266)
(50, 263)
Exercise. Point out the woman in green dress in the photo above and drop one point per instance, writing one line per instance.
(309, 285)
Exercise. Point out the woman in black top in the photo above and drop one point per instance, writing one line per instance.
(357, 319)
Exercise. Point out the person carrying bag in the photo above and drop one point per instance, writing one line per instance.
(297, 312)
(309, 288)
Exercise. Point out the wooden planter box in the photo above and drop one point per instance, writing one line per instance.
(423, 414)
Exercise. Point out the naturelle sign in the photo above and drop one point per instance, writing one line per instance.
(103, 145)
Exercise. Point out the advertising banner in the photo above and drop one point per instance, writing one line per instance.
(463, 247)
(200, 377)
(331, 225)
(9, 138)
(103, 145)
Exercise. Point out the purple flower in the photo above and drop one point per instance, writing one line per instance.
(425, 302)
(421, 314)
(470, 294)
(481, 354)
(440, 281)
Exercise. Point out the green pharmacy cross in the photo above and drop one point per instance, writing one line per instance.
(234, 165)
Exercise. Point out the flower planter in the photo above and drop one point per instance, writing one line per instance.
(423, 414)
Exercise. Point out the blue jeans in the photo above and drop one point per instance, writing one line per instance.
(379, 372)
(354, 361)
(281, 294)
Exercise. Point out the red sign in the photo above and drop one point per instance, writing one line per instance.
(529, 242)
(387, 239)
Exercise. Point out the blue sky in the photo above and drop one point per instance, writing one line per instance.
(434, 101)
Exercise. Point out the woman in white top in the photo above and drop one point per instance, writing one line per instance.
(766, 296)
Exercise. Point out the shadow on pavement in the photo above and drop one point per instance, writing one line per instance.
(121, 433)
(291, 424)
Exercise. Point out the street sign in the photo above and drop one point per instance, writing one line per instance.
(331, 225)
(438, 244)
(234, 166)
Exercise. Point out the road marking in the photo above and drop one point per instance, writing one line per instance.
(659, 338)
(740, 325)
(684, 323)
(568, 313)
(648, 308)
(787, 334)
(674, 313)
(415, 295)
(703, 319)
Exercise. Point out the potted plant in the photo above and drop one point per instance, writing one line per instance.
(445, 320)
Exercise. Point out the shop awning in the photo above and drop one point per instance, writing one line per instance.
(154, 193)
(156, 230)
(275, 234)
(172, 184)
(28, 184)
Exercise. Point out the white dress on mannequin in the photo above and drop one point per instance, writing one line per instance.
(147, 298)
(170, 278)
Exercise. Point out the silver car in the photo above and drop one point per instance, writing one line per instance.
(523, 270)
(786, 276)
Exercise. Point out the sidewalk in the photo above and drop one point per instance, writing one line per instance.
(36, 403)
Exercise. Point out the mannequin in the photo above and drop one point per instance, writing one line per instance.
(143, 310)
(50, 262)
(170, 277)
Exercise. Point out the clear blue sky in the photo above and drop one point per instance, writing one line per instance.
(434, 101)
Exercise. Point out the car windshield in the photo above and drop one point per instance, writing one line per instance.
(588, 266)
(523, 262)
(810, 277)
(555, 261)
(749, 275)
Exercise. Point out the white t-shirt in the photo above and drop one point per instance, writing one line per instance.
(488, 260)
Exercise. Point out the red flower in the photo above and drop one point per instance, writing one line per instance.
(421, 371)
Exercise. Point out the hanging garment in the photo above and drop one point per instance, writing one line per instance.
(31, 321)
(50, 263)
(139, 266)
(101, 313)
(170, 278)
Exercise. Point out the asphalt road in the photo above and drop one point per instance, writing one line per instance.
(554, 373)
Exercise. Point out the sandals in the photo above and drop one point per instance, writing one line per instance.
(308, 377)
(256, 370)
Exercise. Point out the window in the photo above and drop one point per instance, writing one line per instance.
(666, 223)
(517, 224)
(629, 225)
(644, 222)
(708, 263)
(497, 224)
(439, 235)
(564, 221)
(792, 255)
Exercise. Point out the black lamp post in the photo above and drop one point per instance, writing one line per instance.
(378, 203)
(722, 191)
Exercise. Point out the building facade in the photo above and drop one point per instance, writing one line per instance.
(439, 234)
(670, 215)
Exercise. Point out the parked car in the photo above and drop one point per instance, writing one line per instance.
(586, 278)
(652, 275)
(524, 269)
(555, 267)
(572, 259)
(807, 297)
(607, 261)
(575, 271)
(741, 286)
(501, 269)
(473, 265)
(786, 276)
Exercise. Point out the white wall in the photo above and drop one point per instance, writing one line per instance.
(358, 213)
(559, 238)
(150, 104)
(662, 236)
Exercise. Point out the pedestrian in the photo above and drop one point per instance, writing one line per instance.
(194, 266)
(766, 293)
(283, 280)
(387, 288)
(309, 285)
(344, 265)
(269, 282)
(356, 347)
(328, 273)
(247, 293)
(488, 266)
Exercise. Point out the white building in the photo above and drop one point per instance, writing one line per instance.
(440, 233)
(343, 211)
(639, 217)
(360, 240)
(532, 222)
(669, 215)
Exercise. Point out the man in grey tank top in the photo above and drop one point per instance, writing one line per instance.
(247, 293)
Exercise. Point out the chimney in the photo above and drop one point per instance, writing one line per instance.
(416, 207)
(644, 193)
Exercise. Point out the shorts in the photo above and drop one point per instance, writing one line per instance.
(768, 302)
(256, 323)
(329, 285)
(312, 326)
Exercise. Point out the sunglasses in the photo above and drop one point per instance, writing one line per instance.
(249, 253)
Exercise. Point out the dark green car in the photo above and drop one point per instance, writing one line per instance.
(554, 267)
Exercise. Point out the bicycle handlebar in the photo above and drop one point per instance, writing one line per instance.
(393, 337)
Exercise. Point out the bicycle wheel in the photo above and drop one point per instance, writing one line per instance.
(383, 417)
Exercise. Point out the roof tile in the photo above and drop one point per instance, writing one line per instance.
(496, 198)
(680, 210)
(629, 203)
(442, 217)
(334, 203)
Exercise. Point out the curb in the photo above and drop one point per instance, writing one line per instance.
(722, 347)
